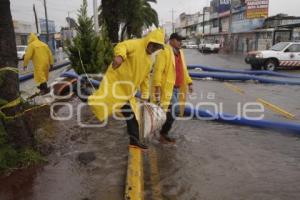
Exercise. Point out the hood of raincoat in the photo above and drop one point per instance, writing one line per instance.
(32, 38)
(156, 36)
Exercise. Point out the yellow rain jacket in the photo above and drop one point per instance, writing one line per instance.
(41, 56)
(119, 86)
(164, 76)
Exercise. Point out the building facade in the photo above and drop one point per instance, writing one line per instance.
(22, 31)
(240, 25)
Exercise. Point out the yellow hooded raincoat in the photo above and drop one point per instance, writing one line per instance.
(41, 57)
(164, 76)
(119, 86)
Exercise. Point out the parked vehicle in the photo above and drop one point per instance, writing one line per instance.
(188, 44)
(282, 55)
(209, 46)
(21, 51)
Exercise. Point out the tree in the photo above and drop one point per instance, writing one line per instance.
(110, 16)
(17, 132)
(133, 15)
(139, 14)
(89, 52)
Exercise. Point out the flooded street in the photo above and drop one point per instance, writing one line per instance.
(211, 161)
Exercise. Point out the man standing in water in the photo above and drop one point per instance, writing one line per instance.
(171, 82)
(129, 72)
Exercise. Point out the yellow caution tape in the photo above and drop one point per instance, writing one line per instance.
(12, 69)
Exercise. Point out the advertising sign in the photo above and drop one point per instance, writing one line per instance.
(257, 9)
(224, 8)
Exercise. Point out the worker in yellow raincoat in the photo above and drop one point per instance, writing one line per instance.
(128, 73)
(170, 83)
(42, 59)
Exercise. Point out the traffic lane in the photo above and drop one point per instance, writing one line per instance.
(216, 96)
(218, 161)
(286, 97)
(230, 61)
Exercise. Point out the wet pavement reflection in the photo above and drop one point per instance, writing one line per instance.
(209, 161)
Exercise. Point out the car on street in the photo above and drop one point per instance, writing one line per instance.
(285, 55)
(209, 46)
(21, 51)
(189, 44)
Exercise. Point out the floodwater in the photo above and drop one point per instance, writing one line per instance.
(210, 160)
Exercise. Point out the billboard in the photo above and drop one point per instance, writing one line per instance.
(257, 9)
(224, 8)
(238, 4)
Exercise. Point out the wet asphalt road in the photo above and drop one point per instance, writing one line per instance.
(210, 161)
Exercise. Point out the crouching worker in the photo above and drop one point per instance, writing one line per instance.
(129, 72)
(170, 83)
(42, 60)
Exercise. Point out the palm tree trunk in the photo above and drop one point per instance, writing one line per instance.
(17, 130)
(111, 14)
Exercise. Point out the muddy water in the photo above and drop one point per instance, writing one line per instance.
(218, 161)
(85, 163)
(210, 160)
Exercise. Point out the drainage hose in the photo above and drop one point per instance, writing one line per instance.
(26, 77)
(242, 77)
(259, 73)
(231, 119)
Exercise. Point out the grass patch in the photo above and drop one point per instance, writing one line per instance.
(11, 159)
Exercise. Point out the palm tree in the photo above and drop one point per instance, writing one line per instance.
(134, 15)
(16, 129)
(110, 16)
(139, 14)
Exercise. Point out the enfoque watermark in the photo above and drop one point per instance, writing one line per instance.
(207, 109)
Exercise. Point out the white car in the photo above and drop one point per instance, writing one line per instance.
(21, 51)
(208, 46)
(281, 55)
(187, 44)
(191, 45)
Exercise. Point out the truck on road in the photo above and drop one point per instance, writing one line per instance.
(285, 55)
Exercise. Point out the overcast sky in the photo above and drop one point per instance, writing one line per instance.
(58, 9)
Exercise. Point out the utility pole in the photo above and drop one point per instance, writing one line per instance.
(230, 28)
(69, 20)
(203, 21)
(96, 16)
(47, 27)
(173, 25)
(36, 21)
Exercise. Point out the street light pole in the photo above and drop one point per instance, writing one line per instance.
(203, 20)
(173, 25)
(230, 27)
(96, 16)
(36, 21)
(46, 16)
